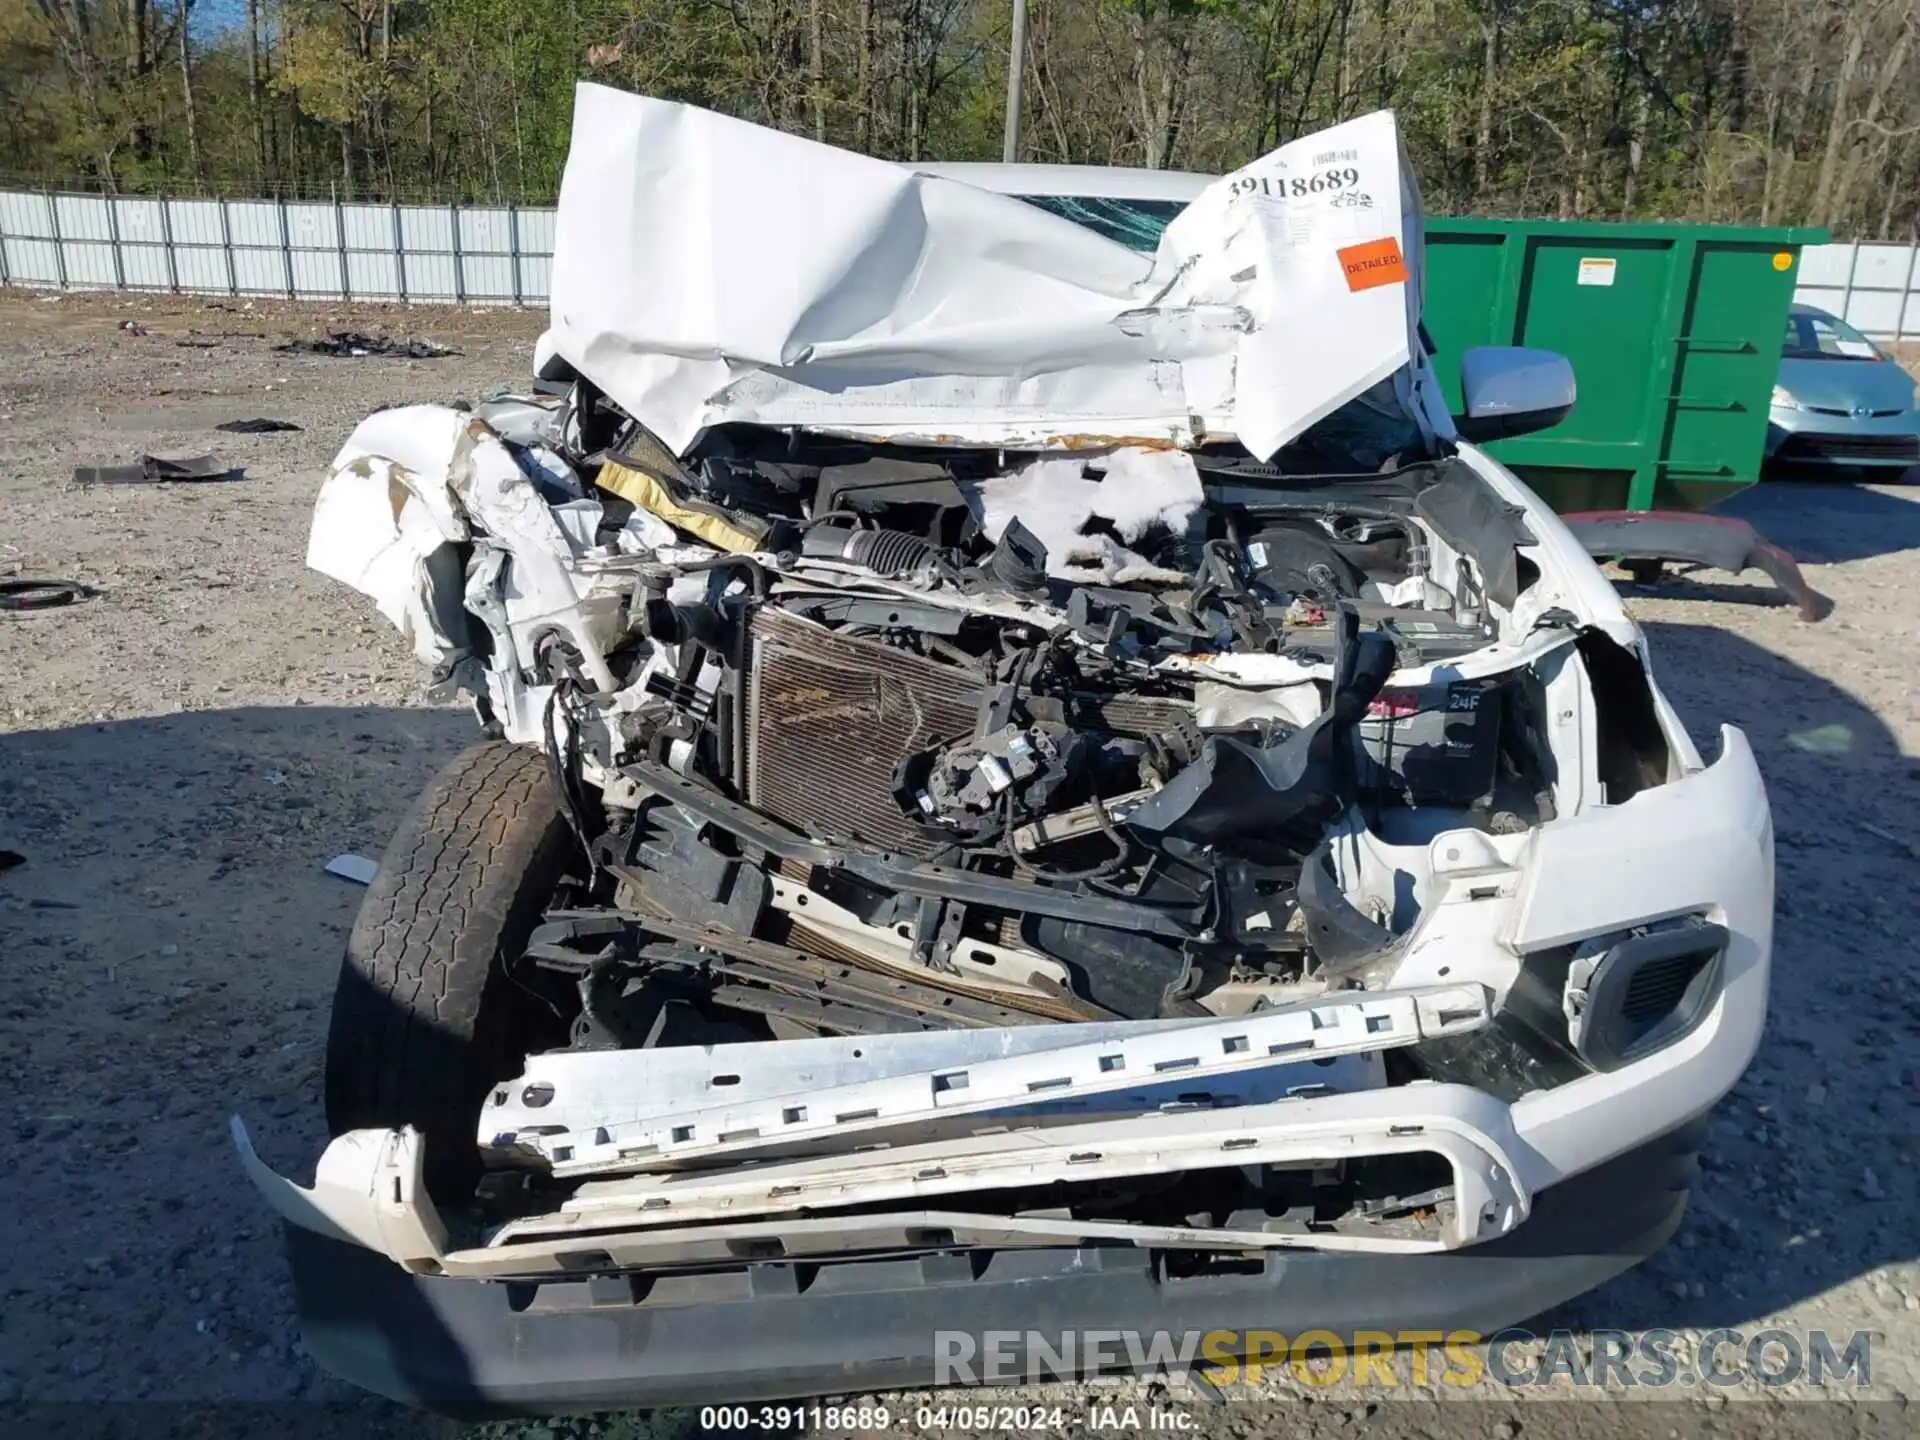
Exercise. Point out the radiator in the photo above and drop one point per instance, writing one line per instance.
(828, 719)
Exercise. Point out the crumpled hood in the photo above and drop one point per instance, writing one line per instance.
(708, 270)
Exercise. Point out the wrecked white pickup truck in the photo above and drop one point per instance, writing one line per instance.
(1026, 780)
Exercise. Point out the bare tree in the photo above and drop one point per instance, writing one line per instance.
(181, 29)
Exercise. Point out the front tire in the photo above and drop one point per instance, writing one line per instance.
(426, 1018)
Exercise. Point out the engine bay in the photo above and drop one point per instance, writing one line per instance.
(1026, 737)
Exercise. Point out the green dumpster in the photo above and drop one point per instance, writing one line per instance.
(1673, 332)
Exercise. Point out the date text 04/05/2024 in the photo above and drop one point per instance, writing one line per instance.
(1011, 1419)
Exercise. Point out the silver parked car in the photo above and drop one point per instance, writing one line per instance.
(1840, 400)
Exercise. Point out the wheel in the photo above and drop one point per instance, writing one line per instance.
(425, 1017)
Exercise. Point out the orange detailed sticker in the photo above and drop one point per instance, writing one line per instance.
(1377, 262)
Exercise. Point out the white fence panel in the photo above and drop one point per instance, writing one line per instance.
(486, 231)
(25, 216)
(536, 278)
(429, 277)
(373, 275)
(260, 260)
(27, 252)
(316, 275)
(372, 237)
(370, 227)
(478, 254)
(1874, 287)
(487, 279)
(200, 255)
(146, 250)
(89, 264)
(32, 262)
(536, 232)
(83, 217)
(1824, 266)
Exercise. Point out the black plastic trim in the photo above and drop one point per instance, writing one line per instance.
(767, 1330)
(1610, 1038)
(1483, 429)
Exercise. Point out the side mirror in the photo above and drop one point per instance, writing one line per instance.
(1510, 390)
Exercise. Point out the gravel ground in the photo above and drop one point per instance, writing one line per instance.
(181, 754)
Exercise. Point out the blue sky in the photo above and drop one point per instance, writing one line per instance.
(210, 17)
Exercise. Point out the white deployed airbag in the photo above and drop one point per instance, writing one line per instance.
(708, 270)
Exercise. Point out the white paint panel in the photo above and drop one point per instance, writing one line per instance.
(1875, 311)
(25, 216)
(1882, 267)
(32, 262)
(317, 273)
(369, 227)
(145, 267)
(82, 217)
(254, 222)
(89, 264)
(1266, 316)
(426, 228)
(202, 268)
(429, 277)
(194, 222)
(258, 271)
(1825, 265)
(372, 274)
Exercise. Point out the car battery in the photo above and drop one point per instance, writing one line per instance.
(1434, 744)
(1432, 635)
(1423, 637)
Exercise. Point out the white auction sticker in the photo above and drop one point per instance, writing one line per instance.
(1596, 270)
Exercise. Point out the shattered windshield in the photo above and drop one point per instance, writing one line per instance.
(1136, 224)
(1251, 337)
(1370, 432)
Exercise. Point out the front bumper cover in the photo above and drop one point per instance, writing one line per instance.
(769, 1330)
(1596, 1195)
(1817, 437)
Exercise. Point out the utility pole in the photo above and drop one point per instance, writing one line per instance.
(1016, 63)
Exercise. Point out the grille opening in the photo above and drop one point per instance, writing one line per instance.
(1656, 988)
(1651, 989)
(1815, 446)
(1205, 1264)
